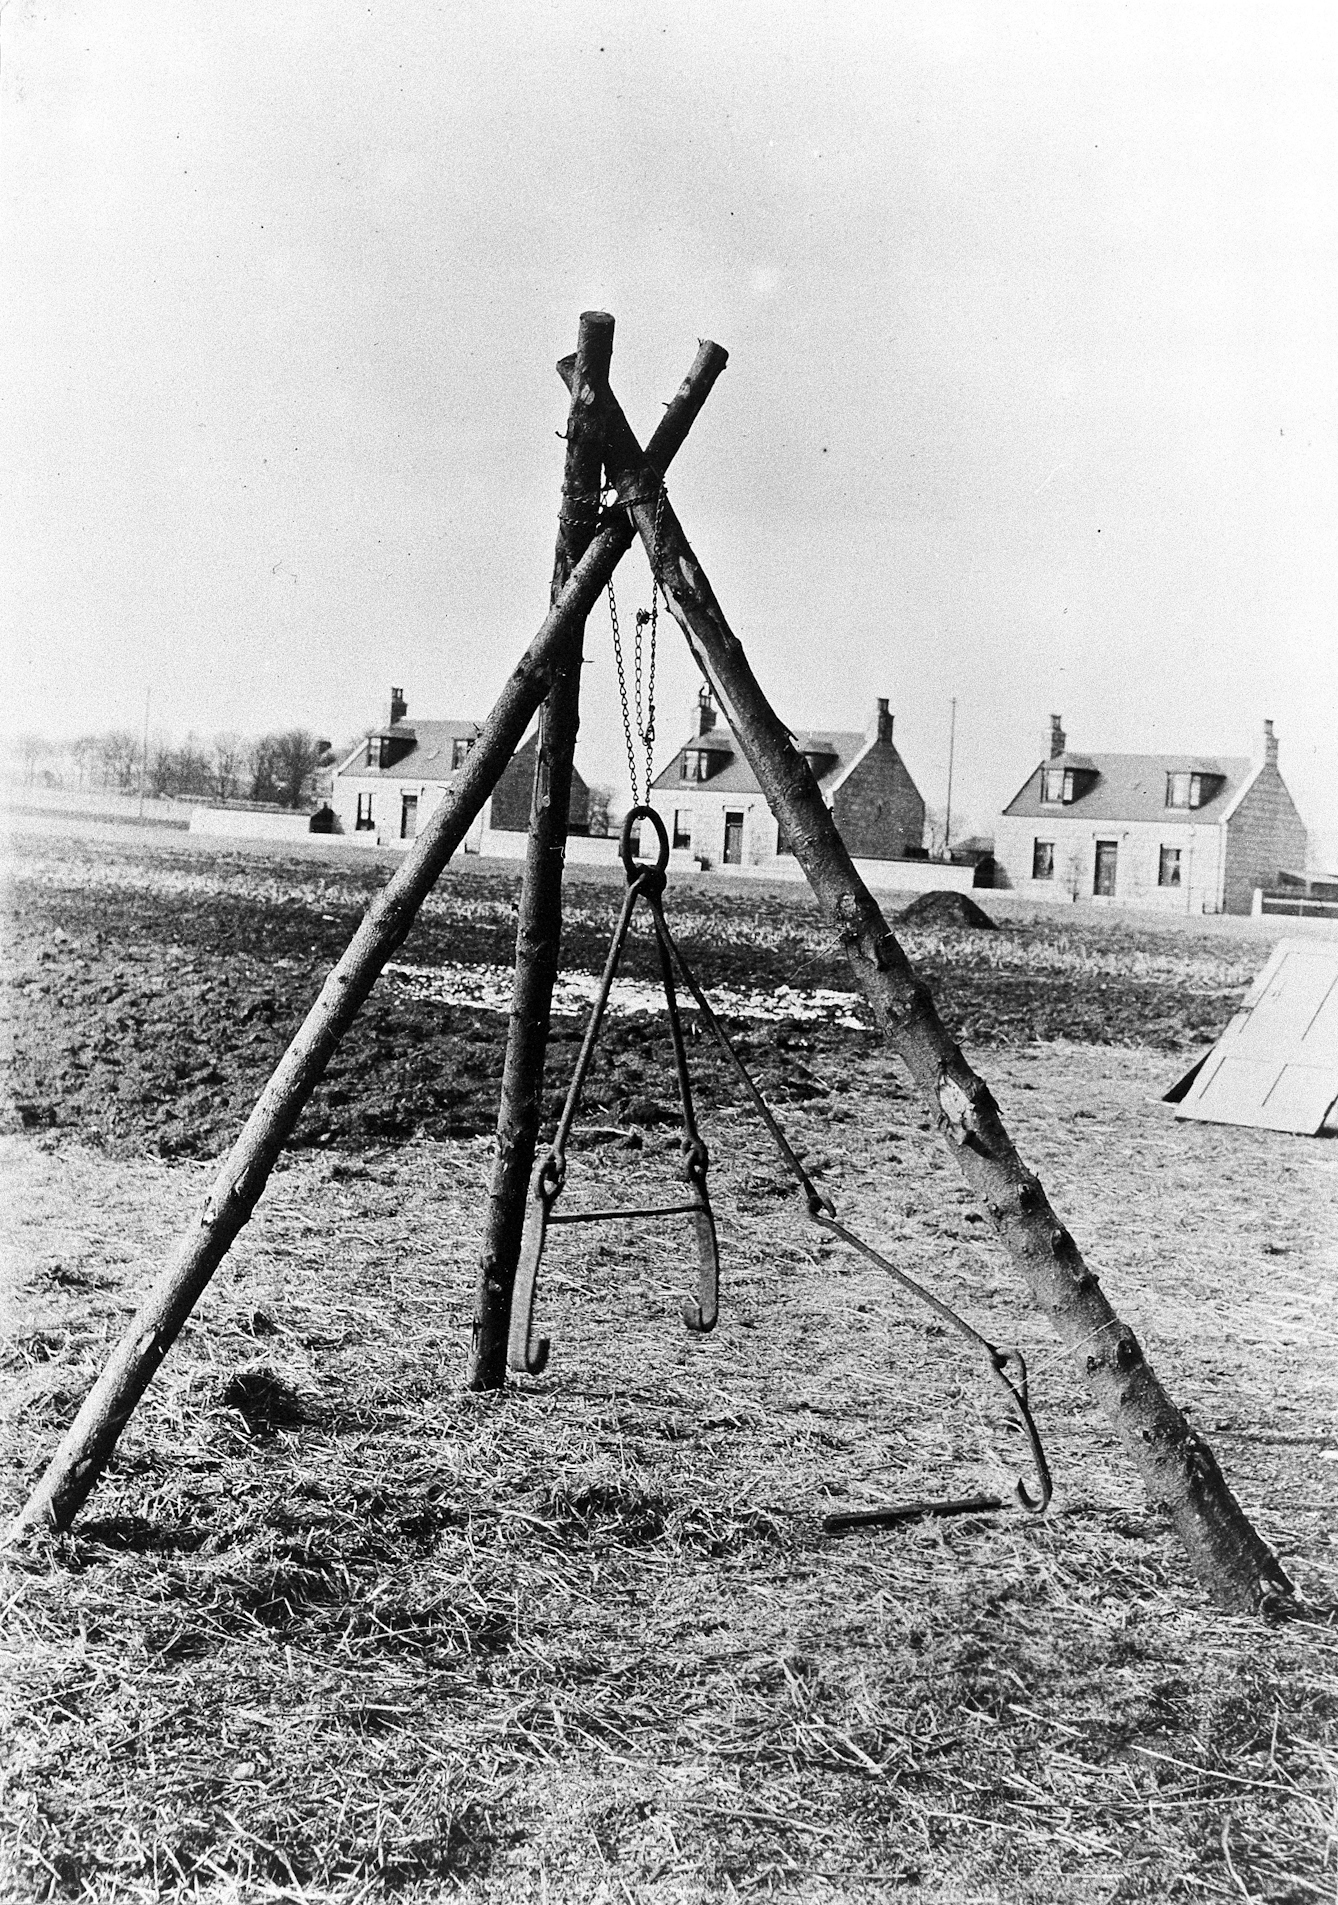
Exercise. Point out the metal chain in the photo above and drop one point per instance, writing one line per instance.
(622, 690)
(642, 724)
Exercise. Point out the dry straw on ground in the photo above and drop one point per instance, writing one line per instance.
(335, 1628)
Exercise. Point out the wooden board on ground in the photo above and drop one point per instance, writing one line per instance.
(1276, 1064)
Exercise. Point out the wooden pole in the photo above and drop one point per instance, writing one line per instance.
(91, 1437)
(539, 930)
(1177, 1465)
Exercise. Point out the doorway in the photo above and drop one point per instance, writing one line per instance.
(733, 840)
(408, 816)
(1103, 884)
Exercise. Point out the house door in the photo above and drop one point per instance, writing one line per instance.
(408, 816)
(733, 840)
(1103, 885)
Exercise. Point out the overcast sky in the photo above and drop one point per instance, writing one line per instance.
(1031, 396)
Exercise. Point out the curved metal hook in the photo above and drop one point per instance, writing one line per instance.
(700, 1313)
(526, 1354)
(1017, 1396)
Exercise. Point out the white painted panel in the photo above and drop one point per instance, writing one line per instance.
(1276, 1064)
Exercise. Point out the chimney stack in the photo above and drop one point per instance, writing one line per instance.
(1058, 738)
(706, 711)
(399, 707)
(882, 721)
(1270, 745)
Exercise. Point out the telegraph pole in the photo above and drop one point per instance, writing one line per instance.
(947, 817)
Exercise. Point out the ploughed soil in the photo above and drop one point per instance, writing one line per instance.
(153, 983)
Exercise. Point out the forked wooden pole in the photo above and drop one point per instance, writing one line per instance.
(1177, 1466)
(91, 1437)
(539, 929)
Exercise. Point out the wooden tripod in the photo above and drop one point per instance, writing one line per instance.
(1179, 1470)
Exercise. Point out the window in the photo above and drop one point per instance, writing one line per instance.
(682, 827)
(1184, 790)
(1168, 867)
(1058, 785)
(408, 816)
(364, 822)
(1042, 859)
(373, 750)
(695, 765)
(461, 748)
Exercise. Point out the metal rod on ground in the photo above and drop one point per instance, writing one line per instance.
(91, 1437)
(539, 929)
(1177, 1465)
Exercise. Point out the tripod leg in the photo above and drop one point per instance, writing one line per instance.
(539, 932)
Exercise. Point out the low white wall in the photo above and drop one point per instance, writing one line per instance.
(241, 825)
(581, 850)
(585, 849)
(880, 876)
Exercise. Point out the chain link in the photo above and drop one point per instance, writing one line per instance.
(638, 724)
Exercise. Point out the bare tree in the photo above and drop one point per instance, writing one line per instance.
(118, 752)
(298, 754)
(263, 767)
(161, 773)
(600, 798)
(935, 833)
(193, 772)
(227, 762)
(1075, 872)
(33, 750)
(83, 754)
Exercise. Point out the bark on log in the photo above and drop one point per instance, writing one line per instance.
(1179, 1469)
(87, 1445)
(539, 930)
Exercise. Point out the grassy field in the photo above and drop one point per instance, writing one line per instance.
(334, 1629)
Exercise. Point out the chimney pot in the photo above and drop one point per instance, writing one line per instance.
(1058, 738)
(399, 707)
(882, 721)
(706, 711)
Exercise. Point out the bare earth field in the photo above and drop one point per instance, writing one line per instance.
(333, 1628)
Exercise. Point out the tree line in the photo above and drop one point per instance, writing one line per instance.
(276, 770)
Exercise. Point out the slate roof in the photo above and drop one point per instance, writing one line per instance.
(736, 777)
(429, 759)
(1133, 787)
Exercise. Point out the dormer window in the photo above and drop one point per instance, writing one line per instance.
(1190, 790)
(461, 748)
(695, 764)
(1058, 788)
(384, 750)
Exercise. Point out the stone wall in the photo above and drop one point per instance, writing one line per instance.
(1264, 835)
(877, 808)
(514, 793)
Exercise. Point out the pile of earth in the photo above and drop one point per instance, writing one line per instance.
(942, 908)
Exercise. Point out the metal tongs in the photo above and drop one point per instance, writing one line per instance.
(524, 1352)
